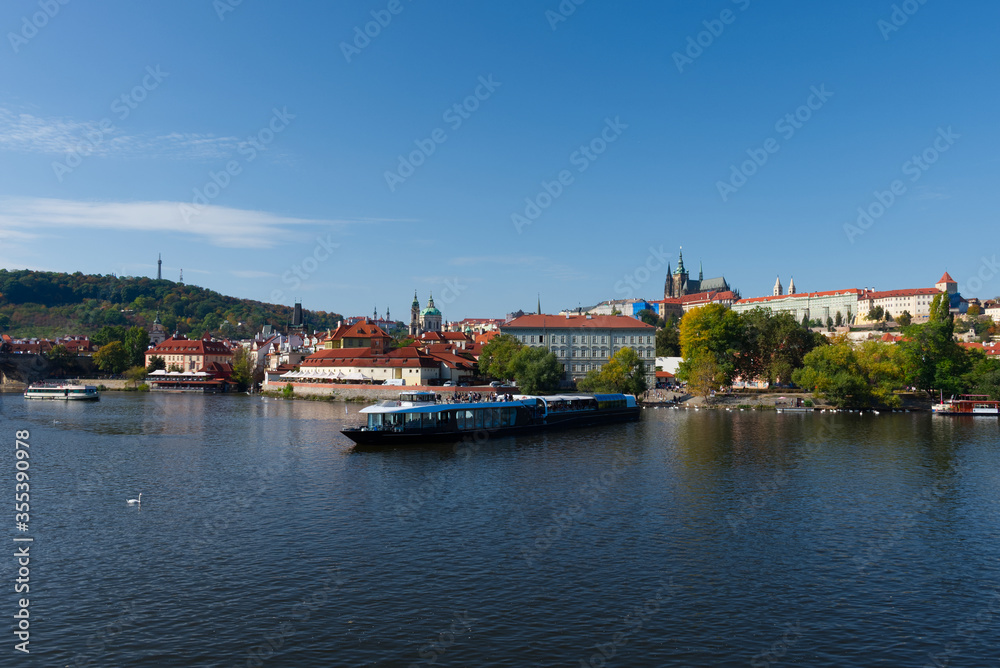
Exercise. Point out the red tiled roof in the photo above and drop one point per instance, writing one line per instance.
(174, 346)
(359, 330)
(900, 293)
(326, 355)
(570, 321)
(988, 348)
(827, 293)
(946, 278)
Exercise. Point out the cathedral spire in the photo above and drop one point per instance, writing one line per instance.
(778, 290)
(701, 274)
(791, 286)
(680, 261)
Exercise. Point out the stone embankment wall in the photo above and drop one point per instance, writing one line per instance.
(372, 392)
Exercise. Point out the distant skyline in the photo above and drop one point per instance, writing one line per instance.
(348, 154)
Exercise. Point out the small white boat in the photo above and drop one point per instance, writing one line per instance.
(62, 392)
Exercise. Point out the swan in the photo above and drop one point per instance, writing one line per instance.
(136, 502)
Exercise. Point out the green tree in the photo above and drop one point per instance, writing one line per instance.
(113, 357)
(774, 345)
(401, 342)
(136, 341)
(668, 339)
(244, 369)
(974, 310)
(625, 372)
(846, 376)
(4, 322)
(60, 358)
(932, 358)
(156, 363)
(704, 374)
(649, 317)
(838, 320)
(712, 329)
(904, 319)
(136, 374)
(535, 370)
(984, 377)
(497, 355)
(174, 368)
(876, 314)
(107, 334)
(940, 308)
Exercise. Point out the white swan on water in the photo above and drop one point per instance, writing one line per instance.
(135, 502)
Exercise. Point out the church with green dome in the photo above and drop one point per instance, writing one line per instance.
(426, 320)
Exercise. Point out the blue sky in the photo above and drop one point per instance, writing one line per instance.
(611, 119)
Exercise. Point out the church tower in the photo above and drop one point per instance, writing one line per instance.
(791, 286)
(668, 284)
(415, 316)
(778, 290)
(680, 276)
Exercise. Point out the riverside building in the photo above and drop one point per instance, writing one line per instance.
(585, 343)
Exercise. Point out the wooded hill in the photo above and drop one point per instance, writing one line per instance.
(50, 304)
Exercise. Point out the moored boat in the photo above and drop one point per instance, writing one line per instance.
(968, 404)
(417, 417)
(62, 392)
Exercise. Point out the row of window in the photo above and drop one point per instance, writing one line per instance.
(585, 338)
(599, 352)
(478, 418)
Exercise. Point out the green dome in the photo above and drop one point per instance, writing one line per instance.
(431, 309)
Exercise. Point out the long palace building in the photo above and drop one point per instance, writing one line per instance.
(854, 304)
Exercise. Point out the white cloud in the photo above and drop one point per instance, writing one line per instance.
(33, 134)
(220, 226)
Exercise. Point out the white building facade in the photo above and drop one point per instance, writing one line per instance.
(584, 343)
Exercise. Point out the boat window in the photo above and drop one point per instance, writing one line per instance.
(374, 420)
(412, 420)
(479, 418)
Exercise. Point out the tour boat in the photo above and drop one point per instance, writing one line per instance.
(418, 417)
(62, 391)
(968, 404)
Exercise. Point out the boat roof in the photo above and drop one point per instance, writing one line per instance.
(397, 407)
(518, 399)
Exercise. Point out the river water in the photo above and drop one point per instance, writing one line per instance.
(708, 538)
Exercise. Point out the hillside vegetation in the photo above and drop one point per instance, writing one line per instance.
(50, 304)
